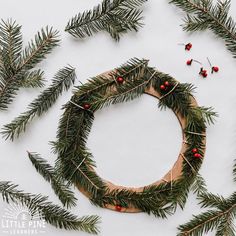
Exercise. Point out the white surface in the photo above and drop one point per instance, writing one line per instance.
(133, 144)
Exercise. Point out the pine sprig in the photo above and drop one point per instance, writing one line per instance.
(62, 81)
(116, 17)
(16, 63)
(199, 186)
(210, 220)
(10, 43)
(220, 217)
(51, 213)
(33, 79)
(204, 14)
(65, 195)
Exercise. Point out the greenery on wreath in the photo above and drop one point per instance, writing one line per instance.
(126, 83)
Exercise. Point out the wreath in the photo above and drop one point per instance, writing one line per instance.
(75, 163)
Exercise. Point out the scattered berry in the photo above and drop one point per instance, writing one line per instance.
(188, 46)
(189, 62)
(215, 69)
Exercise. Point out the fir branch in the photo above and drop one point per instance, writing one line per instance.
(10, 43)
(203, 14)
(65, 195)
(116, 17)
(199, 186)
(33, 79)
(220, 218)
(51, 213)
(15, 65)
(103, 83)
(61, 82)
(35, 52)
(137, 79)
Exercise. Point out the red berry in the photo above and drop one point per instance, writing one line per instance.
(118, 208)
(215, 68)
(188, 46)
(86, 106)
(195, 150)
(197, 155)
(167, 83)
(120, 80)
(162, 87)
(189, 62)
(203, 73)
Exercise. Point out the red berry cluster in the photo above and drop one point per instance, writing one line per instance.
(196, 154)
(165, 86)
(202, 72)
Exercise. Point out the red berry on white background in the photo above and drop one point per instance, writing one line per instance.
(189, 62)
(215, 68)
(188, 46)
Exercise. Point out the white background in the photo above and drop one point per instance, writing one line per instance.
(134, 144)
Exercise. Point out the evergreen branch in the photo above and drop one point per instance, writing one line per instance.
(199, 185)
(116, 17)
(203, 14)
(65, 195)
(220, 218)
(33, 79)
(10, 43)
(212, 200)
(51, 213)
(61, 82)
(37, 49)
(8, 92)
(15, 64)
(103, 84)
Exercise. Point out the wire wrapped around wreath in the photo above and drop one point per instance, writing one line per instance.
(75, 163)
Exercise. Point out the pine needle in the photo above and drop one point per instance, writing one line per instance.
(61, 82)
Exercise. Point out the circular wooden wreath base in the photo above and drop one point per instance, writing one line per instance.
(172, 175)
